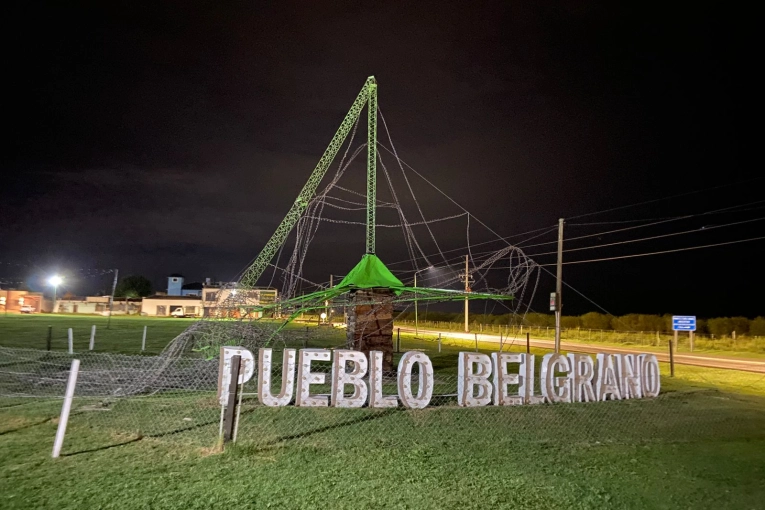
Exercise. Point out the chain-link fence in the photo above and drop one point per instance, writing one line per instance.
(119, 399)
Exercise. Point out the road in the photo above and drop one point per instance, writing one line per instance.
(749, 365)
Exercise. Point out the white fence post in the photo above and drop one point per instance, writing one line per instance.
(64, 418)
(92, 337)
(143, 341)
(71, 341)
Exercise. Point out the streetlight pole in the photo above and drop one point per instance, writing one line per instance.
(55, 281)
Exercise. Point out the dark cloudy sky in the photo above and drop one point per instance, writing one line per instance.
(161, 137)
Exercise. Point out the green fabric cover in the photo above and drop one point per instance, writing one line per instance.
(370, 273)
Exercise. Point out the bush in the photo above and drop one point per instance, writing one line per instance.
(567, 322)
(757, 327)
(595, 320)
(720, 326)
(740, 325)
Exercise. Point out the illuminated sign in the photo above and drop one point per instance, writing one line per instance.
(502, 379)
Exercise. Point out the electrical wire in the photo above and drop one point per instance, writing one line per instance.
(696, 230)
(659, 252)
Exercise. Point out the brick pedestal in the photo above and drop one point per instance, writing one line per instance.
(370, 324)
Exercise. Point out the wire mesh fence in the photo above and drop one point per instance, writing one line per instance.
(121, 398)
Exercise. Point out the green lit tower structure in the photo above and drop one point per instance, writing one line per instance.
(368, 97)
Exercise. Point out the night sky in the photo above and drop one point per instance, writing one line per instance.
(172, 137)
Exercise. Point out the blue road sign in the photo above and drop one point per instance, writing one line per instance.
(684, 323)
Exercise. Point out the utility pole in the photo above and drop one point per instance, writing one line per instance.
(111, 298)
(416, 322)
(326, 302)
(559, 286)
(467, 289)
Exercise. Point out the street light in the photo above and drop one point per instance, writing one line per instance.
(416, 325)
(55, 281)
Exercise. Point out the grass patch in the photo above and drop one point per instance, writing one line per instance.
(685, 449)
(700, 444)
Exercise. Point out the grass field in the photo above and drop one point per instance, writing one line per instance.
(743, 346)
(700, 444)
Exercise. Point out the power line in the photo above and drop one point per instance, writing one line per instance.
(696, 230)
(652, 222)
(659, 252)
(658, 222)
(572, 288)
(667, 198)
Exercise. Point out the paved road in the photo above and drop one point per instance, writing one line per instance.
(749, 365)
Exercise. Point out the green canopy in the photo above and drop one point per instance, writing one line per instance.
(370, 273)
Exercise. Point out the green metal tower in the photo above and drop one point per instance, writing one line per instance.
(367, 96)
(371, 164)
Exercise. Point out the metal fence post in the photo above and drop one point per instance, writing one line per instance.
(439, 342)
(398, 339)
(92, 338)
(50, 337)
(233, 390)
(672, 358)
(527, 343)
(71, 341)
(476, 342)
(143, 340)
(64, 418)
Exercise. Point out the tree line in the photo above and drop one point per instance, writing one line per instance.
(718, 326)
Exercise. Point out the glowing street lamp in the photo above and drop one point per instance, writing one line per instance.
(55, 281)
(416, 325)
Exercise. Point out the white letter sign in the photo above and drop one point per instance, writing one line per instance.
(376, 398)
(306, 378)
(264, 378)
(474, 371)
(555, 389)
(503, 378)
(224, 370)
(425, 389)
(341, 378)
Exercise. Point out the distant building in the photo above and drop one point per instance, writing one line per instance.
(174, 284)
(177, 286)
(12, 300)
(89, 304)
(205, 299)
(98, 305)
(164, 306)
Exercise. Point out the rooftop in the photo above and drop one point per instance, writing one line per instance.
(187, 298)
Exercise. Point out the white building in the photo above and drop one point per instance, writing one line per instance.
(164, 306)
(206, 299)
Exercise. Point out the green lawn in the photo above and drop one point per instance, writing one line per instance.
(700, 444)
(123, 335)
(699, 449)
